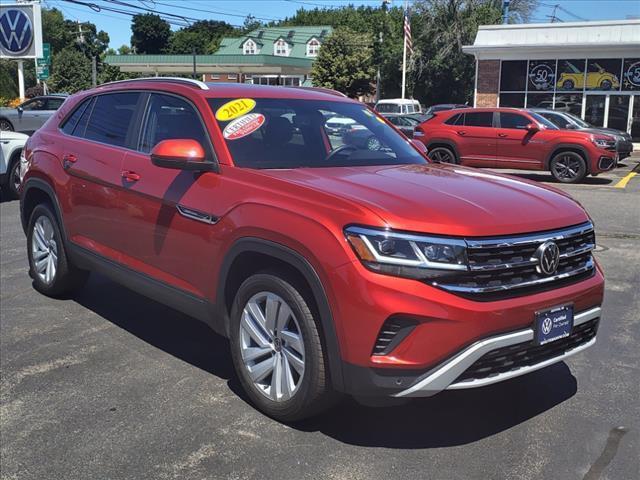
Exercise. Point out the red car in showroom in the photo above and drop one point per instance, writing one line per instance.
(517, 139)
(330, 267)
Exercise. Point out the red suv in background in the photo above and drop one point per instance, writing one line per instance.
(518, 139)
(330, 267)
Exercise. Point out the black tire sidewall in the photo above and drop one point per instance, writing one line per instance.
(452, 154)
(66, 277)
(583, 168)
(301, 404)
(15, 163)
(11, 129)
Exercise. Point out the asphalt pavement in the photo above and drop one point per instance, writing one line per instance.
(110, 385)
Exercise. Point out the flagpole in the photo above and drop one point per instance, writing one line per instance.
(404, 51)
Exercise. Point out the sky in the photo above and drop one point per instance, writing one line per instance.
(118, 26)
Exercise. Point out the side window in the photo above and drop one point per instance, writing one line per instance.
(35, 104)
(513, 120)
(171, 117)
(478, 119)
(558, 120)
(54, 103)
(111, 117)
(457, 119)
(71, 122)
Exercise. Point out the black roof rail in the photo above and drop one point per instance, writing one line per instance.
(329, 91)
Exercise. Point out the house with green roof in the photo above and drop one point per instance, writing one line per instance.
(266, 56)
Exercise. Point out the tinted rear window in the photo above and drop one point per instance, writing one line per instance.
(456, 119)
(111, 117)
(71, 122)
(478, 119)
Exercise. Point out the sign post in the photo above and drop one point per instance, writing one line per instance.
(20, 35)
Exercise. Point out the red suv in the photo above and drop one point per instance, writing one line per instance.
(330, 267)
(515, 138)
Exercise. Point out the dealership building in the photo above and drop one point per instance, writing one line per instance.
(265, 56)
(591, 69)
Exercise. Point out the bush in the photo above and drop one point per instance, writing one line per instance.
(35, 91)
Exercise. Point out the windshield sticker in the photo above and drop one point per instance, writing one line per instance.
(243, 126)
(235, 108)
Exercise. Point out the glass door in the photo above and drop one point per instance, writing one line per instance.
(618, 112)
(595, 110)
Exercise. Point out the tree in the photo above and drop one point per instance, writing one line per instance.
(344, 63)
(204, 36)
(151, 33)
(71, 71)
(250, 24)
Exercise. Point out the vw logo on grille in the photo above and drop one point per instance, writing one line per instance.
(548, 256)
(546, 326)
(16, 31)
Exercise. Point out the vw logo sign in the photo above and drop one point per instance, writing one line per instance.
(548, 256)
(547, 324)
(16, 31)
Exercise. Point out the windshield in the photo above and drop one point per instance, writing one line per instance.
(388, 108)
(578, 121)
(294, 133)
(540, 119)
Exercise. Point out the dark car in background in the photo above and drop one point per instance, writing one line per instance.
(404, 123)
(30, 115)
(568, 121)
(440, 107)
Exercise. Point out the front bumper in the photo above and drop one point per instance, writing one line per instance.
(446, 375)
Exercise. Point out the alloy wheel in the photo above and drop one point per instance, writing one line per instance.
(442, 155)
(567, 167)
(373, 144)
(5, 126)
(272, 346)
(44, 250)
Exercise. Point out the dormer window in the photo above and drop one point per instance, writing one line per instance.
(250, 47)
(281, 48)
(313, 47)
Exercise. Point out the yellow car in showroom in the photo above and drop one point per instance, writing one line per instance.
(600, 80)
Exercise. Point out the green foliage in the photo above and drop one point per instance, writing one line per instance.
(204, 36)
(8, 81)
(151, 33)
(344, 63)
(71, 71)
(250, 23)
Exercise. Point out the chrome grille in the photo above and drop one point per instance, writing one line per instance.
(504, 267)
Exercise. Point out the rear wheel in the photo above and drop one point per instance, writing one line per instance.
(568, 167)
(52, 272)
(442, 155)
(276, 349)
(5, 125)
(568, 84)
(13, 176)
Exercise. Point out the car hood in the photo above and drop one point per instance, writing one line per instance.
(444, 199)
(9, 135)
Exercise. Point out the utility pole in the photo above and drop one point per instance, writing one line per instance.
(385, 7)
(195, 73)
(553, 16)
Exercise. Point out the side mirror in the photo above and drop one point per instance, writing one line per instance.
(20, 110)
(532, 128)
(419, 145)
(181, 154)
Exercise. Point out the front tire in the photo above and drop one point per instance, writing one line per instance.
(13, 177)
(568, 167)
(5, 125)
(52, 272)
(276, 349)
(442, 155)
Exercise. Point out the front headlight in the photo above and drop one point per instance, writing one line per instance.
(603, 141)
(406, 255)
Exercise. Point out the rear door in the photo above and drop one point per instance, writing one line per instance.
(476, 139)
(97, 135)
(517, 146)
(171, 213)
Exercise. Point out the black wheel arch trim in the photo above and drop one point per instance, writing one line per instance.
(302, 265)
(567, 146)
(443, 141)
(44, 186)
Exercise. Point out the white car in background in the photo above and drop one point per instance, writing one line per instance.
(11, 145)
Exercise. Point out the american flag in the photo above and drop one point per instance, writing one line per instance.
(407, 31)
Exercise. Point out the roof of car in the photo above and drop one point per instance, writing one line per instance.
(230, 90)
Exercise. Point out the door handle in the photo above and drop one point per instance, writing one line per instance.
(130, 176)
(461, 133)
(502, 135)
(68, 160)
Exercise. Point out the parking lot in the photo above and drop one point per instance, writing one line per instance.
(109, 385)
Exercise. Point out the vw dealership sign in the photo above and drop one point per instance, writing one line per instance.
(20, 31)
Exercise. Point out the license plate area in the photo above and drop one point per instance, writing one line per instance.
(553, 324)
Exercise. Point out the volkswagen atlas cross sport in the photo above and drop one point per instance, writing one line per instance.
(330, 267)
(518, 139)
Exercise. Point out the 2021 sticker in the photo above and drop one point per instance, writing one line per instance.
(235, 108)
(243, 126)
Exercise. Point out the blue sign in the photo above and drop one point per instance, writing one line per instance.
(16, 31)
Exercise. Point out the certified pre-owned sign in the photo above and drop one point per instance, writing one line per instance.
(20, 31)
